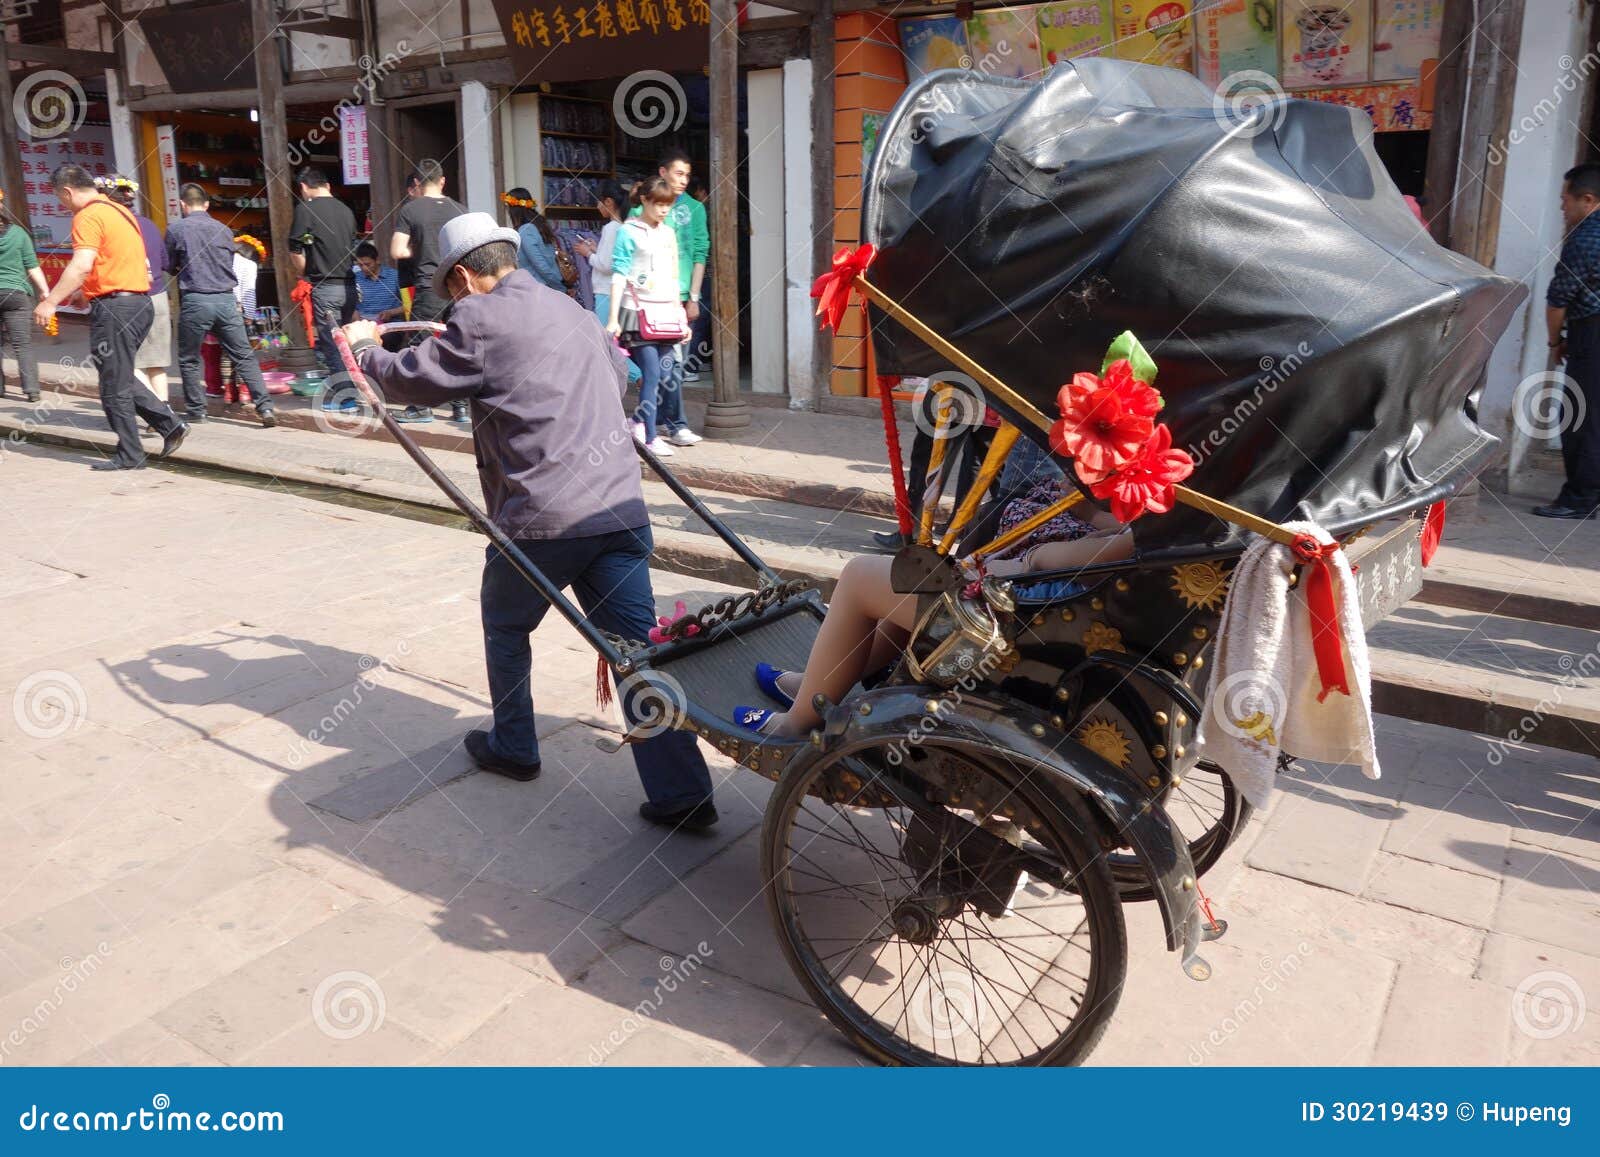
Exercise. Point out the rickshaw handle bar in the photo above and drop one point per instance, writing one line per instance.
(735, 543)
(1223, 510)
(502, 541)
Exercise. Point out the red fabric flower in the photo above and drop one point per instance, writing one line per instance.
(1104, 421)
(1146, 480)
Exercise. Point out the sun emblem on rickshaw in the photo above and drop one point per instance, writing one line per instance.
(1106, 740)
(1200, 584)
(1100, 637)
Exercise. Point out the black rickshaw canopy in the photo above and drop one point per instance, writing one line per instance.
(1320, 356)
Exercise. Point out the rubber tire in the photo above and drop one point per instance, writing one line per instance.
(1071, 821)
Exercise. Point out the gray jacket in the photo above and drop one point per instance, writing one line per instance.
(555, 453)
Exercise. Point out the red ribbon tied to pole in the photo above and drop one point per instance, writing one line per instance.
(832, 289)
(301, 296)
(1326, 642)
(1432, 531)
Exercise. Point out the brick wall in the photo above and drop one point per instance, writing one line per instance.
(870, 75)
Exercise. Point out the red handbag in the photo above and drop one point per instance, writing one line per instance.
(660, 318)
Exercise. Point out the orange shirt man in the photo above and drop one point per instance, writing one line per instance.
(108, 264)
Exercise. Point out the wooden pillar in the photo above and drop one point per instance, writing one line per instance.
(727, 411)
(385, 190)
(1475, 87)
(822, 153)
(275, 159)
(11, 179)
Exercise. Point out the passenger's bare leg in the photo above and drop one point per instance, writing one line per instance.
(850, 643)
(888, 641)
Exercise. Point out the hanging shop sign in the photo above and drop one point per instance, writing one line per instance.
(167, 159)
(1392, 107)
(353, 144)
(1005, 42)
(1325, 44)
(561, 40)
(205, 48)
(87, 145)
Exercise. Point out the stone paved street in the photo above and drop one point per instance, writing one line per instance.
(240, 830)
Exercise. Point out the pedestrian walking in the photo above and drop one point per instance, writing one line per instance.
(21, 285)
(688, 220)
(612, 205)
(1572, 317)
(537, 251)
(559, 477)
(416, 239)
(322, 250)
(646, 313)
(154, 355)
(108, 264)
(202, 250)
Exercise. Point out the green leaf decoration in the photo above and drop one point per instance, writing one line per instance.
(1127, 346)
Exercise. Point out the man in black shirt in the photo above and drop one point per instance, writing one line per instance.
(416, 240)
(200, 249)
(322, 249)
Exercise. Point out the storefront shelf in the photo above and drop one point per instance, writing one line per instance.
(579, 136)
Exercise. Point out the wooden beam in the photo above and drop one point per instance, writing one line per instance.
(77, 61)
(310, 92)
(726, 412)
(16, 204)
(803, 7)
(342, 27)
(275, 158)
(823, 65)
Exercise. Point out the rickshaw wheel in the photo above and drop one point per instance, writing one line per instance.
(916, 927)
(1206, 801)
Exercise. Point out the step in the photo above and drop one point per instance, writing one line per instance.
(1510, 680)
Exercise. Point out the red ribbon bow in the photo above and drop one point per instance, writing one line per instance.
(1326, 642)
(301, 296)
(832, 289)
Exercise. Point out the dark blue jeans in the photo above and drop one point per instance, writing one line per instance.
(218, 313)
(333, 303)
(610, 575)
(655, 361)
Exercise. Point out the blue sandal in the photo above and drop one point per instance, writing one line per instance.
(767, 679)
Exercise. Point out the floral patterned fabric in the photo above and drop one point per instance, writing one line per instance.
(1064, 527)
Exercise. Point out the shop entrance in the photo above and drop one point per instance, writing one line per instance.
(429, 128)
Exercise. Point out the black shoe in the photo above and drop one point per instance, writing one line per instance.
(171, 442)
(33, 397)
(698, 818)
(113, 464)
(889, 539)
(268, 419)
(194, 419)
(477, 745)
(1559, 509)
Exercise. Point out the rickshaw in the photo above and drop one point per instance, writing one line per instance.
(945, 858)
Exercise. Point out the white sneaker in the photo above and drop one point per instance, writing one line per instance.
(638, 432)
(684, 437)
(691, 375)
(660, 447)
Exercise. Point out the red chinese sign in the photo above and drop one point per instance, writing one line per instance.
(1392, 107)
(560, 40)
